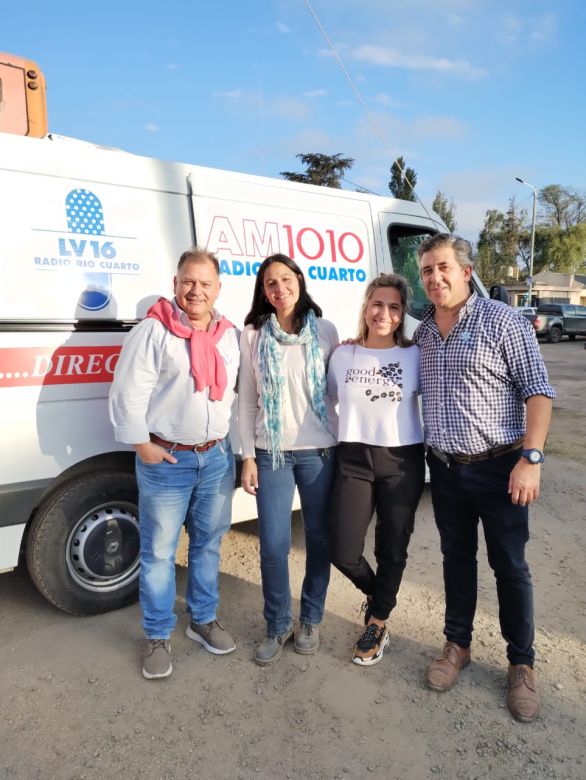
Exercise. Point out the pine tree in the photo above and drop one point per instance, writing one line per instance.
(403, 180)
(321, 169)
(447, 211)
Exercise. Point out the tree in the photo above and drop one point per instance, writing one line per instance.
(447, 211)
(403, 180)
(562, 207)
(321, 169)
(566, 249)
(560, 237)
(499, 242)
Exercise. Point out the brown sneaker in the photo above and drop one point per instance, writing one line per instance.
(157, 659)
(522, 698)
(443, 672)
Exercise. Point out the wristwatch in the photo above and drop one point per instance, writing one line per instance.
(533, 455)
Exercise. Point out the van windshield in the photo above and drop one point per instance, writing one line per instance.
(404, 241)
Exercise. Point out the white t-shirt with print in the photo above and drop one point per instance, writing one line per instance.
(378, 395)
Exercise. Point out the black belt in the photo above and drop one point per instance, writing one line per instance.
(171, 445)
(461, 457)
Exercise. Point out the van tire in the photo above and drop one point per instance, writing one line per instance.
(82, 548)
(555, 334)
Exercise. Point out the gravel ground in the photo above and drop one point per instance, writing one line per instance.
(73, 703)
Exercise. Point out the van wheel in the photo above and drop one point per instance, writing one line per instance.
(82, 550)
(555, 334)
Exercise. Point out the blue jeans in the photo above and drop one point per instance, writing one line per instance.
(313, 473)
(197, 491)
(461, 495)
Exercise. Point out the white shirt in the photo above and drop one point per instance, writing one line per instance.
(154, 391)
(377, 392)
(301, 427)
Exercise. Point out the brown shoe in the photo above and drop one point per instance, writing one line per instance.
(443, 672)
(522, 698)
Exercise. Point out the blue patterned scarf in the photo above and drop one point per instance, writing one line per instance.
(273, 382)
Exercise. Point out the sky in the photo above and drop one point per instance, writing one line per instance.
(472, 93)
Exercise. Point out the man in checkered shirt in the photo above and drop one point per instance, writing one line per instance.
(486, 409)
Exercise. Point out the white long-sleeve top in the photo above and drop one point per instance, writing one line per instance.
(377, 392)
(154, 392)
(301, 427)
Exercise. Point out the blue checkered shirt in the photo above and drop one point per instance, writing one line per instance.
(474, 384)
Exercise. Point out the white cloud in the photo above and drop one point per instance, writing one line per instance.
(385, 100)
(284, 107)
(151, 128)
(470, 217)
(481, 182)
(282, 27)
(393, 58)
(515, 31)
(172, 66)
(438, 127)
(290, 108)
(476, 191)
(309, 141)
(455, 21)
(315, 93)
(233, 94)
(402, 135)
(510, 30)
(544, 29)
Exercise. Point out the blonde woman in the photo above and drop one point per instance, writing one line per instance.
(380, 463)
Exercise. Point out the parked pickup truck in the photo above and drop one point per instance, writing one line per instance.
(554, 320)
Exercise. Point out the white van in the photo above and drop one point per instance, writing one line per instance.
(89, 238)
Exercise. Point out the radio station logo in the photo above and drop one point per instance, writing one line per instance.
(86, 250)
(86, 216)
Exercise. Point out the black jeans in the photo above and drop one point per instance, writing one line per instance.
(390, 480)
(461, 495)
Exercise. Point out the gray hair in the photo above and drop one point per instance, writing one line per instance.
(461, 247)
(195, 254)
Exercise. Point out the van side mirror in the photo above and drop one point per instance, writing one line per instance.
(498, 292)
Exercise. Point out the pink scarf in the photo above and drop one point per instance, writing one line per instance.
(207, 366)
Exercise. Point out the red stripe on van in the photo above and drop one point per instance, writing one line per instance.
(26, 366)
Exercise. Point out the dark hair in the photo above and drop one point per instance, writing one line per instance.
(461, 247)
(398, 283)
(195, 254)
(261, 309)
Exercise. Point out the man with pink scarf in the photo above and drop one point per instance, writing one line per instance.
(171, 398)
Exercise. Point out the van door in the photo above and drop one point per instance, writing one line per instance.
(244, 219)
(401, 236)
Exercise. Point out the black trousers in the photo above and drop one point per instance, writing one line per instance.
(386, 479)
(462, 495)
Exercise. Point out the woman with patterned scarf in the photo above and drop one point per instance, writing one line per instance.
(288, 431)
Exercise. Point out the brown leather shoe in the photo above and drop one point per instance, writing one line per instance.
(522, 698)
(443, 672)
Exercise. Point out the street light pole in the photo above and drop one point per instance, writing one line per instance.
(532, 251)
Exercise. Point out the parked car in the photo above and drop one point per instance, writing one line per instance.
(554, 320)
(526, 310)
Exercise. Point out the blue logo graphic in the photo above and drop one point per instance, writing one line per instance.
(85, 215)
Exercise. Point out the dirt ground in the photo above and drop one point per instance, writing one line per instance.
(73, 703)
